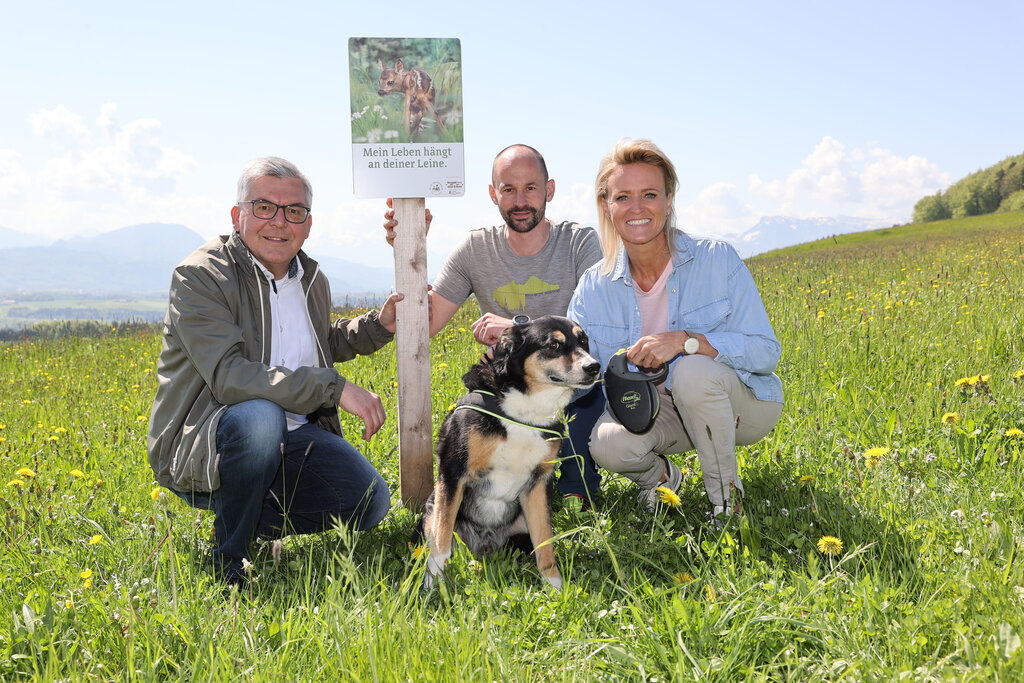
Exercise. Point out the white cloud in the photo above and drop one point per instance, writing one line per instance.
(571, 203)
(873, 183)
(58, 123)
(717, 210)
(98, 178)
(893, 182)
(14, 179)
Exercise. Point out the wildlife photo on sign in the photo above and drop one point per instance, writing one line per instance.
(406, 89)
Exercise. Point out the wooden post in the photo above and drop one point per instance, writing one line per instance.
(412, 339)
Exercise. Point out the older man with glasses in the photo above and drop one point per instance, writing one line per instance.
(245, 419)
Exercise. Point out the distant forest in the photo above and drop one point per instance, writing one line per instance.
(996, 189)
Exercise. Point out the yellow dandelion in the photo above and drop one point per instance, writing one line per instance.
(96, 539)
(873, 456)
(53, 438)
(86, 574)
(709, 593)
(87, 583)
(25, 472)
(683, 577)
(155, 493)
(668, 497)
(16, 483)
(950, 418)
(830, 545)
(418, 551)
(1019, 374)
(99, 482)
(966, 382)
(77, 474)
(69, 603)
(442, 366)
(1013, 431)
(807, 480)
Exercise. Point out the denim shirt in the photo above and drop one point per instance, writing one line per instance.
(710, 291)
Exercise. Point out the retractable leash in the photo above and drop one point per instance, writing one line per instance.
(632, 396)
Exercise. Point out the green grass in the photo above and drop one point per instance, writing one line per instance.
(877, 331)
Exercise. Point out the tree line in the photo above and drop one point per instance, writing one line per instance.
(999, 188)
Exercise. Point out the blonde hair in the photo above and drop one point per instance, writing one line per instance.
(625, 152)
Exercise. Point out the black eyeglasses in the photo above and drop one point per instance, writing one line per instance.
(262, 208)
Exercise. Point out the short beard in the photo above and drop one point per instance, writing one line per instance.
(533, 222)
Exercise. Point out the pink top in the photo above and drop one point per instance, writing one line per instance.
(654, 304)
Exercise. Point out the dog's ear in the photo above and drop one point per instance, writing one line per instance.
(510, 340)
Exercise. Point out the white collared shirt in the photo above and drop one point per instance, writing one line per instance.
(291, 341)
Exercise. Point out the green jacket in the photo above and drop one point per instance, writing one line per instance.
(216, 353)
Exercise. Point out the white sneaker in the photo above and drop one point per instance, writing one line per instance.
(649, 497)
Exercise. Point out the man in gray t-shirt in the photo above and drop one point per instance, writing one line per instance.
(528, 266)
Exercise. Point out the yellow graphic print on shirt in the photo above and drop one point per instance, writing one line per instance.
(513, 295)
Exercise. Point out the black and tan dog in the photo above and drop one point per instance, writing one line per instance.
(496, 450)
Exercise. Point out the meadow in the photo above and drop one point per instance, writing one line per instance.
(881, 538)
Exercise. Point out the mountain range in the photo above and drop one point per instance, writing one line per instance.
(137, 260)
(776, 232)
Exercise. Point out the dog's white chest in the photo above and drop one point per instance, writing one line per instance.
(516, 458)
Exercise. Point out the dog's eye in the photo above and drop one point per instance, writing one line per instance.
(554, 346)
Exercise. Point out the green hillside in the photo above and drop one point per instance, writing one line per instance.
(948, 229)
(997, 189)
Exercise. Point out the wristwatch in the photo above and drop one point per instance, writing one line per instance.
(521, 319)
(691, 345)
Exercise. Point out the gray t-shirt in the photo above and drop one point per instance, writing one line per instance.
(507, 284)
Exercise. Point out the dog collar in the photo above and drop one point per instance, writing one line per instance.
(487, 403)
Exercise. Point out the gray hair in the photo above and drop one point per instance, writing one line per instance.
(270, 166)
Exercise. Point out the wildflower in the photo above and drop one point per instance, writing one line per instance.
(16, 483)
(950, 418)
(957, 514)
(77, 474)
(87, 583)
(25, 472)
(99, 482)
(96, 539)
(709, 593)
(69, 603)
(418, 551)
(873, 456)
(86, 574)
(683, 577)
(247, 566)
(155, 493)
(830, 545)
(668, 496)
(807, 480)
(1014, 432)
(442, 366)
(966, 382)
(1019, 374)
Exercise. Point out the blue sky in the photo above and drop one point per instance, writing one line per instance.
(117, 113)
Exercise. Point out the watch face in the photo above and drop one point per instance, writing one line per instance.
(521, 319)
(691, 346)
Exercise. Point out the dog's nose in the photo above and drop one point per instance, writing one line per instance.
(592, 368)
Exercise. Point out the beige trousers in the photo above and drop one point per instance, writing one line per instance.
(707, 408)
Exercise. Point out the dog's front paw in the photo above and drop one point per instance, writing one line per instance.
(435, 570)
(554, 580)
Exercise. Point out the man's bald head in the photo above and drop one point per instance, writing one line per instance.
(515, 154)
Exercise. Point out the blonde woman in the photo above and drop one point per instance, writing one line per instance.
(691, 303)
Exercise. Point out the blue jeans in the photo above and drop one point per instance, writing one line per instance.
(577, 472)
(274, 482)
